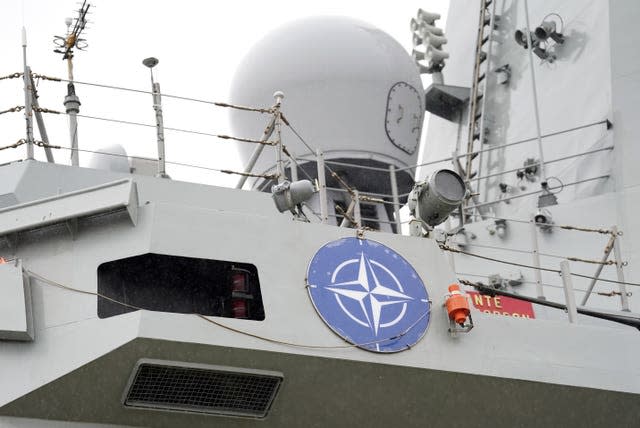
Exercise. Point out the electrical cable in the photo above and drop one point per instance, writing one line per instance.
(561, 31)
(454, 250)
(225, 326)
(575, 183)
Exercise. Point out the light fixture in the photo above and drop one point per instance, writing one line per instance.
(501, 228)
(461, 239)
(538, 40)
(543, 220)
(288, 195)
(522, 38)
(548, 30)
(503, 74)
(434, 199)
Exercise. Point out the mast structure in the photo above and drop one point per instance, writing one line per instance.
(66, 46)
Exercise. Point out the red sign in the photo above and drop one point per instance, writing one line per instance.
(501, 305)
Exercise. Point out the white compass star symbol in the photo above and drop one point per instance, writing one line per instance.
(372, 300)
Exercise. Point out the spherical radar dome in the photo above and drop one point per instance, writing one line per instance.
(350, 90)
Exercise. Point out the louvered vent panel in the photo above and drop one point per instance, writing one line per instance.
(203, 389)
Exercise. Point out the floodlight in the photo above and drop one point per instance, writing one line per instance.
(287, 195)
(433, 200)
(548, 29)
(522, 38)
(543, 220)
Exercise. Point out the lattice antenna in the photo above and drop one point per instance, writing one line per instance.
(65, 46)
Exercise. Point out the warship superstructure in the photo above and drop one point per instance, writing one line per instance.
(503, 294)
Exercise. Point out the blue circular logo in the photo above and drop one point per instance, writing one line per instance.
(369, 295)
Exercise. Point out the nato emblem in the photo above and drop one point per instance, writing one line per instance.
(369, 295)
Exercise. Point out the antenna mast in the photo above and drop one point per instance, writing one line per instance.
(28, 110)
(66, 46)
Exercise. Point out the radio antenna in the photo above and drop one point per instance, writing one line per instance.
(65, 45)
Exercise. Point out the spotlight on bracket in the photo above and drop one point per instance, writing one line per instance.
(548, 29)
(522, 38)
(434, 199)
(288, 195)
(543, 220)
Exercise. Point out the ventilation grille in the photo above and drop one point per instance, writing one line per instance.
(203, 389)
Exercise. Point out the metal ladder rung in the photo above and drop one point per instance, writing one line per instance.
(481, 77)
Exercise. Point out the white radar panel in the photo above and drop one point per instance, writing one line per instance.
(403, 120)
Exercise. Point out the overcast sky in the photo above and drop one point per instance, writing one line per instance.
(199, 44)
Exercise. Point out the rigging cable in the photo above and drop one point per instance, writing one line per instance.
(224, 171)
(454, 250)
(141, 91)
(334, 174)
(515, 250)
(560, 226)
(225, 326)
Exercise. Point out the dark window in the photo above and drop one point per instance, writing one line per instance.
(181, 285)
(369, 214)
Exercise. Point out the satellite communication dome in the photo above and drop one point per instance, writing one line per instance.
(111, 158)
(350, 90)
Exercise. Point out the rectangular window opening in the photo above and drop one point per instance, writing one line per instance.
(184, 285)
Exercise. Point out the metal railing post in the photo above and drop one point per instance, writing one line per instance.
(257, 152)
(624, 298)
(28, 109)
(607, 251)
(322, 187)
(536, 259)
(357, 216)
(569, 296)
(396, 199)
(157, 107)
(279, 159)
(293, 165)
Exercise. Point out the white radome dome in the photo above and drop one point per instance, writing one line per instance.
(350, 89)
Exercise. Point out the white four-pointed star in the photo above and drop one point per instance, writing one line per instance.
(361, 290)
